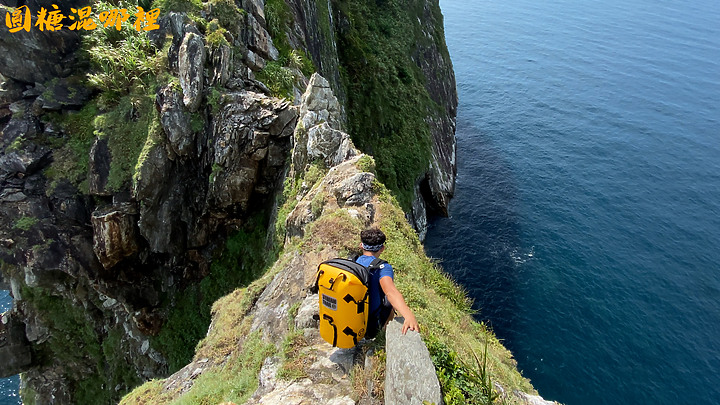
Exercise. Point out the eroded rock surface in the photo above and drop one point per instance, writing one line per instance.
(318, 134)
(191, 62)
(409, 374)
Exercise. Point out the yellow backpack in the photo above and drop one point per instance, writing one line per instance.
(342, 286)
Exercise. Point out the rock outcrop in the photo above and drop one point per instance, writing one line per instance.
(410, 374)
(15, 355)
(34, 56)
(316, 136)
(191, 63)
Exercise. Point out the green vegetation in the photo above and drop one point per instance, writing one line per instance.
(149, 393)
(279, 19)
(366, 164)
(226, 12)
(278, 78)
(153, 138)
(214, 99)
(122, 59)
(278, 75)
(126, 127)
(70, 156)
(294, 360)
(387, 100)
(234, 382)
(25, 223)
(104, 358)
(126, 69)
(445, 315)
(16, 144)
(468, 358)
(288, 201)
(460, 381)
(242, 261)
(216, 35)
(188, 6)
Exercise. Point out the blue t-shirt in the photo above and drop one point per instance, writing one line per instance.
(374, 287)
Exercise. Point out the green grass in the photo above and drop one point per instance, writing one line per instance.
(70, 155)
(242, 260)
(120, 59)
(227, 13)
(150, 393)
(126, 127)
(236, 381)
(278, 75)
(216, 35)
(278, 78)
(25, 223)
(74, 342)
(279, 19)
(188, 6)
(444, 312)
(366, 163)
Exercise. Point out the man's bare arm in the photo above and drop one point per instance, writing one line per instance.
(398, 302)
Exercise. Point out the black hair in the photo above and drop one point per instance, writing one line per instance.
(372, 237)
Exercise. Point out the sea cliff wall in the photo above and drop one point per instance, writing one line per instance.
(153, 184)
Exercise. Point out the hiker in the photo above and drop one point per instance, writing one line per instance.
(373, 245)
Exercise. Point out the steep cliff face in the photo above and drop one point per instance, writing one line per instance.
(139, 171)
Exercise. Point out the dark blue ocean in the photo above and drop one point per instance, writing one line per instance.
(8, 386)
(586, 222)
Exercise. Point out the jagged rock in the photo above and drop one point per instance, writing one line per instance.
(99, 169)
(191, 62)
(248, 126)
(114, 236)
(309, 308)
(175, 25)
(317, 133)
(258, 39)
(27, 159)
(161, 202)
(10, 91)
(343, 183)
(327, 382)
(329, 145)
(220, 59)
(356, 190)
(36, 56)
(21, 126)
(409, 372)
(418, 213)
(64, 92)
(320, 104)
(439, 180)
(35, 329)
(175, 120)
(15, 355)
(254, 61)
(256, 8)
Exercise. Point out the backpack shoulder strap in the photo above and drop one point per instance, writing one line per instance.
(376, 263)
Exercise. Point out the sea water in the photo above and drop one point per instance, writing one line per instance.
(586, 222)
(8, 386)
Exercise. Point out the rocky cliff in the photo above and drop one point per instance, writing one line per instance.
(146, 175)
